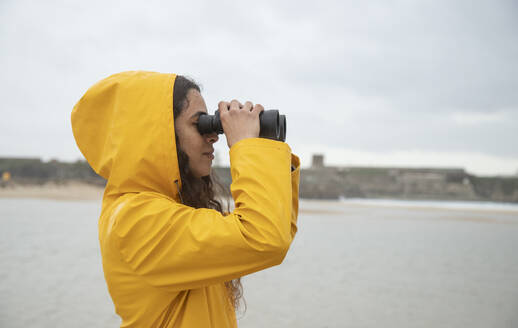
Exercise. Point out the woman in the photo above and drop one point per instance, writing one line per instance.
(171, 257)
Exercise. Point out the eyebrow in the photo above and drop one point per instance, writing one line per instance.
(198, 114)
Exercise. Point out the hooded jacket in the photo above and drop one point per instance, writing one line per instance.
(166, 263)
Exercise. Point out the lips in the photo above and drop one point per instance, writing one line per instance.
(209, 154)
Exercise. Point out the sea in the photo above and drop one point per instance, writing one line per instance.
(353, 263)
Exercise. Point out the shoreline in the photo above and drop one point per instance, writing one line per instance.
(77, 191)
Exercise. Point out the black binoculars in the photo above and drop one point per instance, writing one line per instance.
(272, 125)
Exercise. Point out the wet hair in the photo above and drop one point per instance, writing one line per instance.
(200, 192)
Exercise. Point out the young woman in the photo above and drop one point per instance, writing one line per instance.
(171, 256)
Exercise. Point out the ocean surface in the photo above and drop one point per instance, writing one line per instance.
(353, 263)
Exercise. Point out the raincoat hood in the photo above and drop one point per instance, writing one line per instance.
(124, 127)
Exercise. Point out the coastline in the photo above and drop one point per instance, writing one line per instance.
(75, 191)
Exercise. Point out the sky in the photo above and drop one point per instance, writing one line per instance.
(365, 83)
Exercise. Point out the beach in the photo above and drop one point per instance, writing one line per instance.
(353, 263)
(65, 192)
(76, 191)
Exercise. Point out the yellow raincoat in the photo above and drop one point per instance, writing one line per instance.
(165, 263)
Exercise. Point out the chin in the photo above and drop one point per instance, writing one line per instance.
(204, 173)
(207, 173)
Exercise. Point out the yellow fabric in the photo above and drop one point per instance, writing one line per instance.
(165, 263)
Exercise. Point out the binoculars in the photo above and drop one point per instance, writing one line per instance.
(272, 125)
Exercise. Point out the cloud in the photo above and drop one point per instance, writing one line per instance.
(477, 118)
(439, 77)
(420, 55)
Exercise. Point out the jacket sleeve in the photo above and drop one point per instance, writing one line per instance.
(295, 179)
(177, 247)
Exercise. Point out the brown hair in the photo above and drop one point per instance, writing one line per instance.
(199, 192)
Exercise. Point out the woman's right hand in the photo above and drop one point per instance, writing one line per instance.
(238, 121)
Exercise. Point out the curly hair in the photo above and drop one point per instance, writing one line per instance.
(200, 192)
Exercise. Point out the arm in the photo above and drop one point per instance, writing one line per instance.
(176, 247)
(295, 176)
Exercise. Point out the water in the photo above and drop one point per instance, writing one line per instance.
(461, 205)
(51, 273)
(351, 265)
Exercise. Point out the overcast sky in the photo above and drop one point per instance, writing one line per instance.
(378, 83)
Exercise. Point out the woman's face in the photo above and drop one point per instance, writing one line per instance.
(198, 147)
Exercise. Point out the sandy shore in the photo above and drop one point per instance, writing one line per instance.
(71, 191)
(86, 192)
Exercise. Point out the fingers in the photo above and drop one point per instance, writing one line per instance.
(258, 108)
(248, 106)
(223, 106)
(239, 121)
(235, 105)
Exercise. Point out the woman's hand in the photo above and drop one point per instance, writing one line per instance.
(238, 121)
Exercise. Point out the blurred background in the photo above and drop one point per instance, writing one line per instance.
(426, 83)
(404, 115)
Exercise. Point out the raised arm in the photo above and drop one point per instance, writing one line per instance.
(295, 178)
(176, 247)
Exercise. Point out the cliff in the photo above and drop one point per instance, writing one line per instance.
(406, 183)
(320, 182)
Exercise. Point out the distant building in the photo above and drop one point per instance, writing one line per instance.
(318, 161)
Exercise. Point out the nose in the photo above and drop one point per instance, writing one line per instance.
(212, 137)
